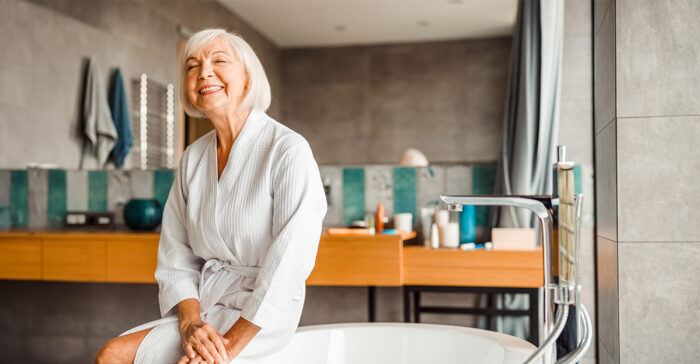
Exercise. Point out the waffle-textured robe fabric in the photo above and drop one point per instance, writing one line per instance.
(243, 245)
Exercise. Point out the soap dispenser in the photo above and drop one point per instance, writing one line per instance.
(379, 220)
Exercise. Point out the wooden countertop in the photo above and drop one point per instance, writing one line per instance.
(342, 260)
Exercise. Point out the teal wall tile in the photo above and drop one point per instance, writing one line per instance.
(97, 191)
(5, 183)
(38, 198)
(405, 191)
(57, 197)
(162, 182)
(483, 182)
(353, 194)
(19, 198)
(77, 190)
(577, 179)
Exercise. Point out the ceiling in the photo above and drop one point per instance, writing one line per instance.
(319, 23)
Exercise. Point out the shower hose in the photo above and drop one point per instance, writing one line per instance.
(559, 323)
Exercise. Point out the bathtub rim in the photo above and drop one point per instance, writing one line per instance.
(508, 341)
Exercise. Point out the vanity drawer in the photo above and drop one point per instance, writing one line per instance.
(78, 259)
(20, 258)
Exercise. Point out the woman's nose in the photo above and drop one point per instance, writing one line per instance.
(205, 71)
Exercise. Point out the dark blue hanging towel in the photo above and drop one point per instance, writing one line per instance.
(120, 114)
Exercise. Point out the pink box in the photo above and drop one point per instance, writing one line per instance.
(514, 239)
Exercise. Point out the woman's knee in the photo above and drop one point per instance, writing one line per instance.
(121, 349)
(111, 352)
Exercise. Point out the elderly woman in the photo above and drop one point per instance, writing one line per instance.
(241, 225)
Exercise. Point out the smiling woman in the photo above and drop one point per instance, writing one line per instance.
(241, 225)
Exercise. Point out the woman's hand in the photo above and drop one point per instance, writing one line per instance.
(196, 360)
(201, 339)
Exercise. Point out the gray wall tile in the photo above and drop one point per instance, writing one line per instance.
(659, 298)
(430, 184)
(141, 184)
(333, 175)
(77, 190)
(38, 198)
(5, 180)
(118, 194)
(606, 182)
(458, 180)
(604, 73)
(657, 72)
(658, 174)
(608, 302)
(379, 187)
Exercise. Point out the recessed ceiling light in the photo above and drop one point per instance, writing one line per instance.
(423, 23)
(339, 28)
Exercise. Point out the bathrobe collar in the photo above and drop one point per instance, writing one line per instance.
(251, 127)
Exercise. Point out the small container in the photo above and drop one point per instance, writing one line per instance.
(434, 236)
(143, 214)
(427, 214)
(442, 217)
(381, 214)
(403, 222)
(467, 224)
(449, 235)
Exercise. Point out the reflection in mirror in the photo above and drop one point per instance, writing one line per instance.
(152, 122)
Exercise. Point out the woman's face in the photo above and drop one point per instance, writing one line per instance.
(216, 80)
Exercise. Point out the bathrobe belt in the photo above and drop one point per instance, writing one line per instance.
(223, 276)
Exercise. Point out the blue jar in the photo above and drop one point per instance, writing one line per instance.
(467, 224)
(143, 214)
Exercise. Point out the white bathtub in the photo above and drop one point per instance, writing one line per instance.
(397, 343)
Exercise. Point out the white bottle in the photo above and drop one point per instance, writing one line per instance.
(434, 237)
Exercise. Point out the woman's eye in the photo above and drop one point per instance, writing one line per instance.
(192, 66)
(220, 61)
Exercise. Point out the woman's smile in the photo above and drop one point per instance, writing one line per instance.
(210, 89)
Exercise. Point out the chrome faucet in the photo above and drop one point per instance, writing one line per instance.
(564, 291)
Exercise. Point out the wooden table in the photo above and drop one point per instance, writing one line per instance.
(366, 261)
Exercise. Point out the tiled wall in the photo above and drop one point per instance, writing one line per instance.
(367, 104)
(356, 191)
(40, 198)
(49, 40)
(647, 126)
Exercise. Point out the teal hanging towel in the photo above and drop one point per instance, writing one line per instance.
(119, 107)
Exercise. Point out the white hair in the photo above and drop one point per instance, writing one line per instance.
(258, 96)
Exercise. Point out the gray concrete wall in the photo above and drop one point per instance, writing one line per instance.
(648, 122)
(44, 45)
(368, 104)
(576, 132)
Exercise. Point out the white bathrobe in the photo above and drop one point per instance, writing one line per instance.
(243, 245)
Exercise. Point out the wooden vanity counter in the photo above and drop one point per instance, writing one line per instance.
(342, 260)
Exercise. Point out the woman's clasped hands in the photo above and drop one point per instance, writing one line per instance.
(203, 344)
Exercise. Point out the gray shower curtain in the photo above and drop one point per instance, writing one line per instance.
(530, 124)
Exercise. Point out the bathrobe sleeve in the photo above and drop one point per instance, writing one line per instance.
(177, 272)
(299, 207)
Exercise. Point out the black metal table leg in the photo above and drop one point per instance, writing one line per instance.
(416, 306)
(371, 303)
(406, 304)
(534, 317)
